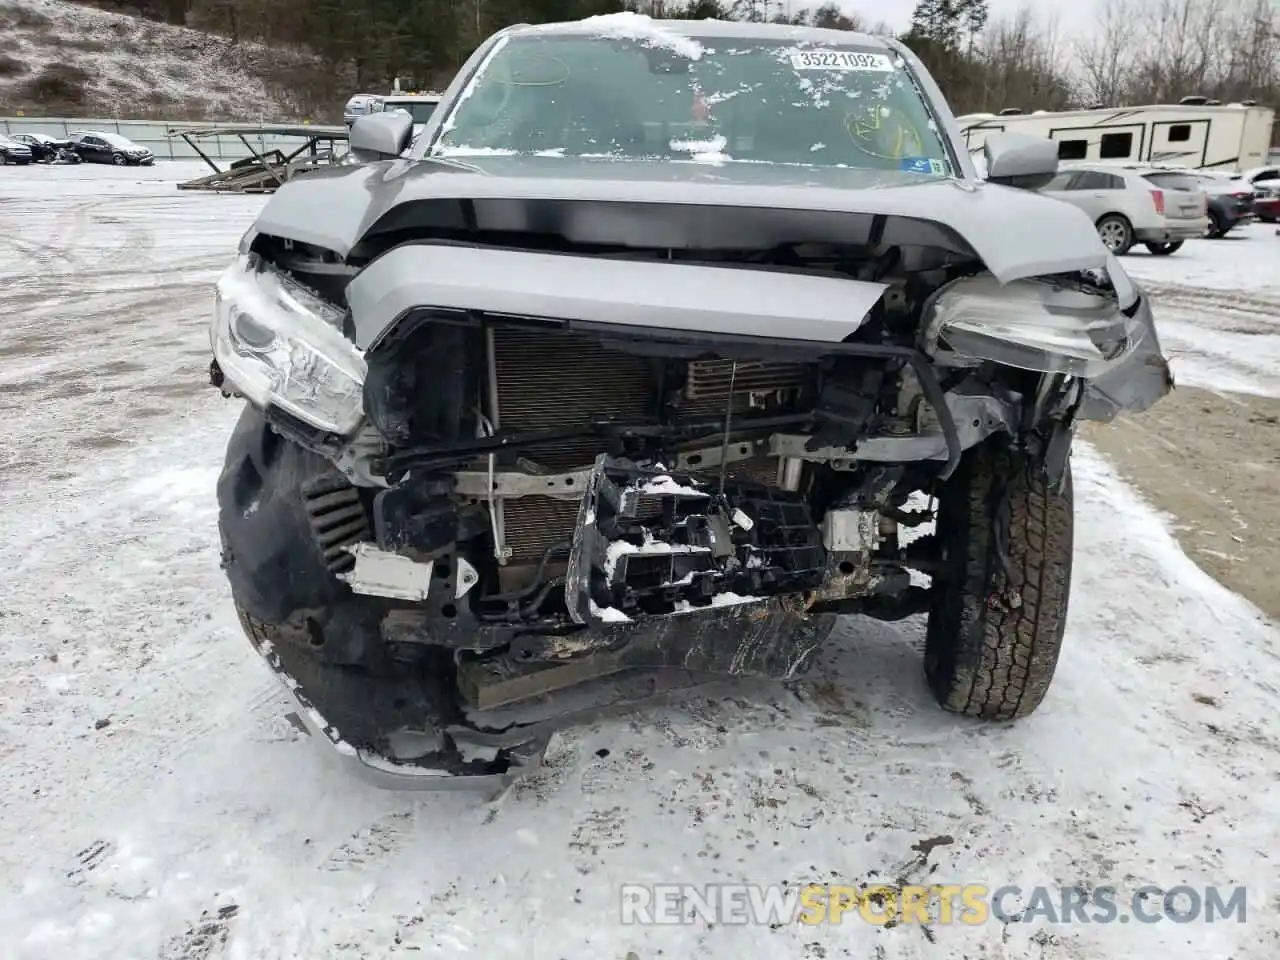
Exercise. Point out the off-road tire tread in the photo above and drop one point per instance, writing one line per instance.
(992, 645)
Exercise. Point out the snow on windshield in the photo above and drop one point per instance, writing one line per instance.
(635, 26)
(638, 92)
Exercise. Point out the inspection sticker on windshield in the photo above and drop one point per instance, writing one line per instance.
(840, 60)
(923, 165)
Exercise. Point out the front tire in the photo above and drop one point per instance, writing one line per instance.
(996, 625)
(118, 159)
(1116, 233)
(1164, 249)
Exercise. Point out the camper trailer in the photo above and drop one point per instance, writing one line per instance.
(1194, 133)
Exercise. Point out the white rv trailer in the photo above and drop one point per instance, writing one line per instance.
(1230, 137)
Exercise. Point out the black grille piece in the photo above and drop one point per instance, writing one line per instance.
(750, 543)
(337, 519)
(706, 389)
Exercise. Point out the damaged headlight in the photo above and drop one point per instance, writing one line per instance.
(279, 344)
(1030, 324)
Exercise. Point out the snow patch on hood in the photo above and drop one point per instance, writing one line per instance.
(464, 151)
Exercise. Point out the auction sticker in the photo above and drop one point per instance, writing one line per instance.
(840, 60)
(923, 165)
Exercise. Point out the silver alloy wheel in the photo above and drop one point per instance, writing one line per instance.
(1113, 234)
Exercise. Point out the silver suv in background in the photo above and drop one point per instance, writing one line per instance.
(1128, 208)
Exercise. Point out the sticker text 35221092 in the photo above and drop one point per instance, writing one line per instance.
(840, 60)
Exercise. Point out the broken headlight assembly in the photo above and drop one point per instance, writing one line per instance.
(1036, 325)
(280, 345)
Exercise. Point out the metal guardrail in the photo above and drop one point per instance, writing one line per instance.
(153, 134)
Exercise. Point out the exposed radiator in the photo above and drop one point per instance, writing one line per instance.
(535, 523)
(553, 379)
(557, 380)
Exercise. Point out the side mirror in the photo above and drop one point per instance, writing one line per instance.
(1018, 160)
(380, 136)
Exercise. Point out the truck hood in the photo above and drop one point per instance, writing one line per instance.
(1016, 233)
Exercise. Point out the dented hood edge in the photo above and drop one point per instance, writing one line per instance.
(1017, 233)
(699, 298)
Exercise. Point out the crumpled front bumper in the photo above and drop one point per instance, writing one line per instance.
(484, 750)
(375, 700)
(1134, 385)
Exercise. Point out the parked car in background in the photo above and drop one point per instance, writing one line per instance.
(1266, 191)
(1230, 202)
(360, 105)
(1128, 209)
(44, 148)
(419, 106)
(12, 151)
(95, 147)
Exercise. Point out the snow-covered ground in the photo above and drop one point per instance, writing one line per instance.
(131, 65)
(1220, 308)
(156, 802)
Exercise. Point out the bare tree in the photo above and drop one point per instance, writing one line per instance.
(1107, 59)
(1158, 51)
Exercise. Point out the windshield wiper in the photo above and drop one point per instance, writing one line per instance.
(452, 162)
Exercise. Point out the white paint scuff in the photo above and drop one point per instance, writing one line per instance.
(726, 599)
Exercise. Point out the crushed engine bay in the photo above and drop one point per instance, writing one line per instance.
(531, 490)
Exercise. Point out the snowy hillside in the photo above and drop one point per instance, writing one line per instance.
(57, 58)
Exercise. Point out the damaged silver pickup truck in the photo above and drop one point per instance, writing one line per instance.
(634, 373)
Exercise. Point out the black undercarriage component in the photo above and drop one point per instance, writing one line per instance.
(775, 639)
(697, 546)
(452, 390)
(337, 519)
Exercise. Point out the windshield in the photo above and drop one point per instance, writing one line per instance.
(1174, 181)
(1212, 184)
(418, 109)
(739, 100)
